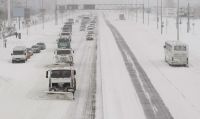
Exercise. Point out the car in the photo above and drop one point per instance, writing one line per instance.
(90, 37)
(41, 45)
(36, 49)
(91, 32)
(29, 52)
(19, 54)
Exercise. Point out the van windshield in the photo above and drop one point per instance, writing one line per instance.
(61, 52)
(60, 74)
(18, 52)
(180, 48)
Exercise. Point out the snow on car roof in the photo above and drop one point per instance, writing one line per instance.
(61, 67)
(19, 48)
(176, 42)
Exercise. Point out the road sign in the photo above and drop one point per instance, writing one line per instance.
(18, 12)
(89, 6)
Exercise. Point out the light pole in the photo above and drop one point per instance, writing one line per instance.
(136, 11)
(188, 22)
(9, 14)
(161, 22)
(178, 20)
(26, 19)
(148, 12)
(157, 14)
(43, 14)
(56, 15)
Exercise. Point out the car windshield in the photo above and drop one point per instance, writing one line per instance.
(180, 48)
(61, 52)
(18, 52)
(60, 73)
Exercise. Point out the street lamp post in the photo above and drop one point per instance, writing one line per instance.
(148, 12)
(56, 15)
(43, 14)
(9, 14)
(157, 14)
(161, 22)
(177, 20)
(136, 11)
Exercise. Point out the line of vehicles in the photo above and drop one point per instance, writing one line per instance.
(61, 74)
(88, 23)
(23, 53)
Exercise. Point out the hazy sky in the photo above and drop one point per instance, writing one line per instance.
(152, 2)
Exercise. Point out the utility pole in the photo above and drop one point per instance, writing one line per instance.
(27, 25)
(56, 15)
(136, 11)
(188, 22)
(148, 12)
(43, 14)
(178, 20)
(143, 11)
(157, 19)
(161, 22)
(9, 13)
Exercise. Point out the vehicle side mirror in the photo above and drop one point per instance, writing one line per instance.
(164, 46)
(74, 72)
(47, 74)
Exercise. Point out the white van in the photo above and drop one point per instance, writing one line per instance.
(176, 53)
(19, 54)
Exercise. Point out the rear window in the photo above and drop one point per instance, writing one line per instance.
(34, 46)
(65, 33)
(60, 52)
(180, 48)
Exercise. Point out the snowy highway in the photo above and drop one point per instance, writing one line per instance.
(24, 86)
(121, 74)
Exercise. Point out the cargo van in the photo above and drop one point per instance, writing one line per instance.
(19, 54)
(176, 53)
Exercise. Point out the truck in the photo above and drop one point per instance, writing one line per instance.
(64, 56)
(62, 79)
(64, 43)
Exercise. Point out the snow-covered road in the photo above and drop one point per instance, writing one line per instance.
(177, 86)
(22, 86)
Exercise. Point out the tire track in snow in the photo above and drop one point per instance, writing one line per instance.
(153, 105)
